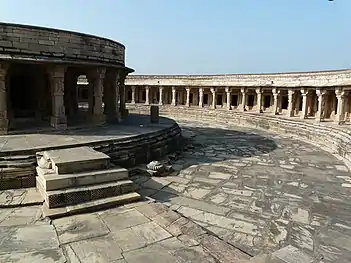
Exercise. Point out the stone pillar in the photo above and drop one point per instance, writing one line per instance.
(259, 99)
(174, 96)
(243, 99)
(319, 115)
(160, 100)
(147, 95)
(290, 103)
(229, 97)
(110, 92)
(214, 99)
(276, 93)
(133, 94)
(122, 94)
(4, 122)
(340, 114)
(187, 103)
(304, 93)
(201, 97)
(58, 118)
(97, 77)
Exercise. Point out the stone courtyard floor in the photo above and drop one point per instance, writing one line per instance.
(236, 190)
(260, 191)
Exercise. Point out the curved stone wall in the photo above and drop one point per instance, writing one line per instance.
(22, 42)
(295, 79)
(330, 138)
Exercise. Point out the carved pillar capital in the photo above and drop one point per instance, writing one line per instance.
(291, 92)
(275, 91)
(321, 92)
(228, 90)
(339, 92)
(213, 90)
(258, 90)
(243, 90)
(304, 92)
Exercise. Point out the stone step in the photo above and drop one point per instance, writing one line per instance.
(79, 159)
(80, 194)
(52, 181)
(90, 206)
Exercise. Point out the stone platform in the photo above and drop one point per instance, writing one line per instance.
(135, 141)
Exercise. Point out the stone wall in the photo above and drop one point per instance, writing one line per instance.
(298, 80)
(330, 138)
(38, 43)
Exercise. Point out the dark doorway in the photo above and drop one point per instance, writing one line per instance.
(191, 97)
(206, 99)
(220, 99)
(22, 93)
(285, 102)
(129, 95)
(250, 100)
(300, 105)
(143, 95)
(234, 100)
(267, 101)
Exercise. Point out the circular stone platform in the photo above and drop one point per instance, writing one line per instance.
(133, 142)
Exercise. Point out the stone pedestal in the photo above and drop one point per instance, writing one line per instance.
(154, 114)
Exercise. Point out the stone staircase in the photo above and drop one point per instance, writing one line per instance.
(78, 180)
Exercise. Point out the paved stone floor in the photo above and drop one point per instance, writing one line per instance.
(142, 232)
(250, 191)
(260, 191)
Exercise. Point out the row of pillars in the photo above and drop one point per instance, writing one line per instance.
(101, 82)
(340, 95)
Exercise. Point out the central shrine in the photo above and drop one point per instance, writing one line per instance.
(39, 68)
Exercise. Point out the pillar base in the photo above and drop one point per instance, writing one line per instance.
(173, 104)
(98, 118)
(4, 126)
(59, 123)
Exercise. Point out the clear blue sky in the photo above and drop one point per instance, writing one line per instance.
(206, 36)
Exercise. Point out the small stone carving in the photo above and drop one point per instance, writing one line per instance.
(155, 168)
(44, 163)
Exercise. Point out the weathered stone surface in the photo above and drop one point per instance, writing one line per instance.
(20, 238)
(75, 228)
(36, 41)
(41, 256)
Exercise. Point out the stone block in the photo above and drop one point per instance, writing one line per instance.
(54, 181)
(78, 159)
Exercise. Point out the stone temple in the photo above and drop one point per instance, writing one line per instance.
(100, 165)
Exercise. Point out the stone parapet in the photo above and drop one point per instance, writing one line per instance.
(288, 80)
(333, 139)
(22, 42)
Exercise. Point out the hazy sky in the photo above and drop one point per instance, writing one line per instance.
(206, 36)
